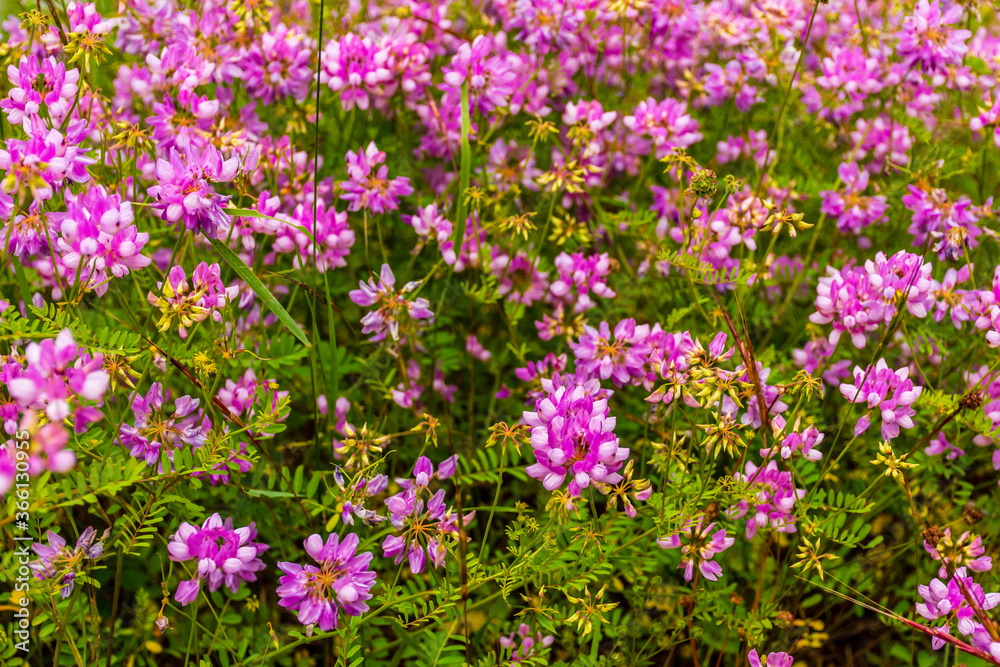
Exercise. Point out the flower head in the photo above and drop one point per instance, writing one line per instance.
(342, 581)
(370, 187)
(60, 564)
(225, 555)
(573, 436)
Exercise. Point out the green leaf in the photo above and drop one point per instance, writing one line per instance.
(248, 276)
(22, 284)
(256, 493)
(251, 213)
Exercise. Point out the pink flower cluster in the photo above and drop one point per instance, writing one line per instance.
(700, 546)
(225, 555)
(342, 581)
(572, 435)
(423, 526)
(888, 391)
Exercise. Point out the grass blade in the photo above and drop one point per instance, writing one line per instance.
(248, 276)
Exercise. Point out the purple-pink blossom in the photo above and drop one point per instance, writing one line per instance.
(572, 435)
(891, 392)
(698, 545)
(369, 187)
(224, 555)
(342, 581)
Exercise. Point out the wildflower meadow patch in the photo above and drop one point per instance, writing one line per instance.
(535, 332)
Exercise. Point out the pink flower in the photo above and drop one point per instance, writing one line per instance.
(60, 563)
(342, 581)
(952, 224)
(846, 298)
(99, 239)
(278, 65)
(225, 555)
(965, 551)
(666, 123)
(45, 161)
(525, 648)
(58, 378)
(431, 226)
(356, 68)
(579, 277)
(490, 77)
(331, 230)
(424, 526)
(926, 38)
(853, 210)
(56, 90)
(390, 305)
(623, 360)
(184, 192)
(519, 278)
(476, 349)
(770, 660)
(891, 392)
(156, 431)
(573, 435)
(194, 302)
(370, 191)
(700, 546)
(772, 506)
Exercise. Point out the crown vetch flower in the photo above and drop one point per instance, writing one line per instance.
(46, 450)
(155, 429)
(966, 551)
(184, 190)
(770, 660)
(853, 210)
(700, 545)
(56, 89)
(579, 277)
(391, 304)
(523, 643)
(59, 563)
(961, 600)
(903, 274)
(490, 77)
(667, 123)
(622, 358)
(927, 39)
(58, 377)
(951, 223)
(44, 162)
(424, 527)
(369, 189)
(99, 239)
(362, 489)
(194, 302)
(572, 435)
(277, 65)
(342, 580)
(892, 392)
(803, 443)
(476, 349)
(225, 555)
(847, 299)
(986, 310)
(356, 68)
(519, 278)
(331, 230)
(431, 225)
(775, 496)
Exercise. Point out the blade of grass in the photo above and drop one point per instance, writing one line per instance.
(465, 170)
(250, 213)
(248, 276)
